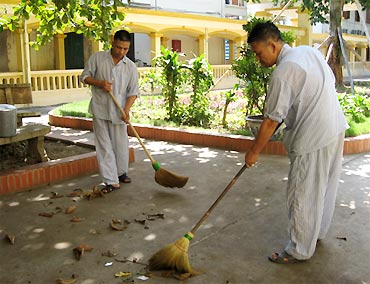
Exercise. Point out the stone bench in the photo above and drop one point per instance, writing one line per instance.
(34, 133)
(16, 94)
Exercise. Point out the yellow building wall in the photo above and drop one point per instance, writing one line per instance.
(216, 54)
(12, 53)
(189, 46)
(44, 58)
(4, 51)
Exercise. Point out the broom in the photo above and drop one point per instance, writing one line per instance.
(162, 176)
(175, 256)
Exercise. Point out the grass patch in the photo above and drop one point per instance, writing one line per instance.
(75, 109)
(358, 128)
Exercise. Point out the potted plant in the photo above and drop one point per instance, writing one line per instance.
(254, 79)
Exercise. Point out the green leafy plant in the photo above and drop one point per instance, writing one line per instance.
(355, 106)
(150, 78)
(172, 78)
(201, 79)
(230, 96)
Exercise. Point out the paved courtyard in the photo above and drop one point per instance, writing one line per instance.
(230, 248)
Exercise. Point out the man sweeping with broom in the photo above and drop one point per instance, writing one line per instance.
(302, 93)
(114, 81)
(111, 71)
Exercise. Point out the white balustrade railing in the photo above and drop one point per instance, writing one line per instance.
(56, 80)
(11, 78)
(51, 80)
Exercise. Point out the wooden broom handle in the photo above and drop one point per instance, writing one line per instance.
(205, 216)
(132, 128)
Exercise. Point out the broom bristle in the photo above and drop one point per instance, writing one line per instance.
(173, 257)
(169, 179)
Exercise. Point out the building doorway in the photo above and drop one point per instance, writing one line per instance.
(74, 51)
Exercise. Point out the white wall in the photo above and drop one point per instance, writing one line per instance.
(210, 7)
(142, 48)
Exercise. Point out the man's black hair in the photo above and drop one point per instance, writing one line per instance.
(263, 32)
(122, 35)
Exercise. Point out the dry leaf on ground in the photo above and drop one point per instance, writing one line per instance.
(123, 274)
(109, 253)
(65, 281)
(10, 238)
(70, 209)
(46, 214)
(140, 221)
(93, 194)
(79, 251)
(77, 219)
(155, 216)
(117, 225)
(76, 193)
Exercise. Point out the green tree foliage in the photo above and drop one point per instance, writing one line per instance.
(96, 19)
(176, 75)
(328, 11)
(172, 78)
(319, 10)
(230, 96)
(201, 79)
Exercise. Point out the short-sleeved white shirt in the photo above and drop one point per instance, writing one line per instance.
(302, 93)
(124, 76)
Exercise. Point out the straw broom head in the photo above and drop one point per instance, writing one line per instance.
(167, 178)
(173, 256)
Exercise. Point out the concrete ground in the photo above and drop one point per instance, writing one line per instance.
(230, 247)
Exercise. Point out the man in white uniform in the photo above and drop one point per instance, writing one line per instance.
(112, 71)
(302, 94)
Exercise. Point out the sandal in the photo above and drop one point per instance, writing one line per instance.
(283, 258)
(109, 188)
(124, 178)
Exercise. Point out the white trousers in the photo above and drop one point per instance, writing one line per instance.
(311, 194)
(112, 153)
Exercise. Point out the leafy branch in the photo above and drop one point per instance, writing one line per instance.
(95, 19)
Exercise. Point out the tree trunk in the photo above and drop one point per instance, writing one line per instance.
(335, 58)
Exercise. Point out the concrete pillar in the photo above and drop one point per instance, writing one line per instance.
(19, 45)
(363, 51)
(304, 22)
(23, 53)
(202, 45)
(155, 45)
(239, 43)
(231, 51)
(60, 60)
(164, 42)
(294, 22)
(96, 46)
(350, 54)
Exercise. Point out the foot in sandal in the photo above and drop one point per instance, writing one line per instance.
(124, 178)
(109, 188)
(283, 258)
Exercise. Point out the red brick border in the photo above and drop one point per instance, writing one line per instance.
(53, 171)
(353, 145)
(47, 172)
